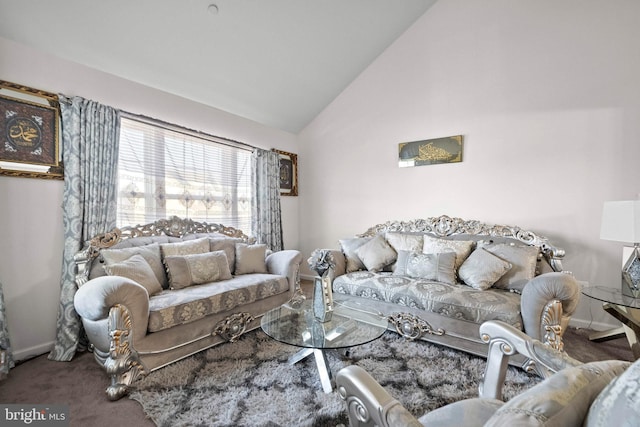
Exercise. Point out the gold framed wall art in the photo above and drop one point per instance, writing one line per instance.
(430, 151)
(288, 173)
(29, 132)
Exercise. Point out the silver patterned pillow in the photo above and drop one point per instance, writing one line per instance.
(137, 269)
(150, 253)
(376, 254)
(482, 269)
(522, 258)
(405, 242)
(462, 248)
(349, 246)
(437, 267)
(196, 269)
(196, 246)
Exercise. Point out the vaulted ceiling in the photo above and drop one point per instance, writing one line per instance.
(277, 62)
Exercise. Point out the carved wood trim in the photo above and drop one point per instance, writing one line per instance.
(411, 326)
(232, 327)
(552, 325)
(123, 364)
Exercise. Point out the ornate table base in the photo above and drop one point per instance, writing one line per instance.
(321, 362)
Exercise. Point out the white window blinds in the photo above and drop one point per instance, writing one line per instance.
(165, 170)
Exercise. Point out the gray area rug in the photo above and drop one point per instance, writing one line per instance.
(250, 383)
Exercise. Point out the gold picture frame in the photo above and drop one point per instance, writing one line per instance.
(29, 132)
(288, 173)
(430, 151)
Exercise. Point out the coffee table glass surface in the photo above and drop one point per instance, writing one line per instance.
(350, 325)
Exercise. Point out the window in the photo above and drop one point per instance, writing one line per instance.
(164, 170)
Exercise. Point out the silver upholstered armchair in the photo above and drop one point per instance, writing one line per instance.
(603, 393)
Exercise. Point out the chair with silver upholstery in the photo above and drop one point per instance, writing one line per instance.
(605, 393)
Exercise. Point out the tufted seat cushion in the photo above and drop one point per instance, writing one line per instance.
(457, 301)
(176, 307)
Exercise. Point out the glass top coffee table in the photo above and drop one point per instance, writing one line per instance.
(350, 325)
(623, 308)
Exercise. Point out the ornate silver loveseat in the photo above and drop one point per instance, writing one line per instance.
(152, 294)
(402, 270)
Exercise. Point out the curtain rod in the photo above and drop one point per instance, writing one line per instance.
(186, 131)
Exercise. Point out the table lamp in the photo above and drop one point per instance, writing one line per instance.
(621, 223)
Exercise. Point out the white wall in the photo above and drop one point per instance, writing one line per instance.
(547, 96)
(30, 209)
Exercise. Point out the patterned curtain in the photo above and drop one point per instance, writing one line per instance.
(90, 133)
(5, 342)
(266, 224)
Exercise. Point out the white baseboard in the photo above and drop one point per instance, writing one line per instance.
(31, 352)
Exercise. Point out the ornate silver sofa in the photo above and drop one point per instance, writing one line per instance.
(152, 294)
(604, 393)
(436, 304)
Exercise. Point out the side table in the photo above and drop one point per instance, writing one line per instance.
(623, 308)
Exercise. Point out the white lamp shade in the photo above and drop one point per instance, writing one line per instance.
(621, 221)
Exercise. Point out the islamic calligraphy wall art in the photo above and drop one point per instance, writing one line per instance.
(288, 173)
(29, 122)
(430, 151)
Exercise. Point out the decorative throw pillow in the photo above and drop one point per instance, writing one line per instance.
(349, 246)
(188, 247)
(437, 267)
(405, 242)
(151, 254)
(482, 269)
(137, 269)
(196, 269)
(228, 245)
(376, 254)
(250, 258)
(562, 399)
(522, 258)
(434, 245)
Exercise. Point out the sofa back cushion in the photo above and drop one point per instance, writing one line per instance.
(250, 259)
(228, 245)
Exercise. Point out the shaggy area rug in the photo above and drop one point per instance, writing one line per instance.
(250, 383)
